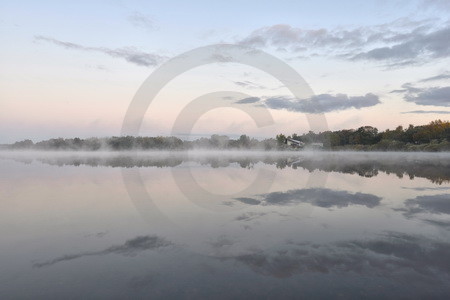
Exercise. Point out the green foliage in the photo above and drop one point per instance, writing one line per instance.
(126, 143)
(432, 137)
(23, 144)
(281, 139)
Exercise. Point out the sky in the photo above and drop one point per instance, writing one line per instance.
(71, 69)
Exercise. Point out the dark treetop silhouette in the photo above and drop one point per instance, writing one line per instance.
(432, 137)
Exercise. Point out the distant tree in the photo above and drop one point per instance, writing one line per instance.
(23, 144)
(281, 139)
(219, 141)
(434, 136)
(121, 142)
(244, 141)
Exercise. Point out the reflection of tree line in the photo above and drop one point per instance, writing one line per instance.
(115, 162)
(436, 171)
(130, 161)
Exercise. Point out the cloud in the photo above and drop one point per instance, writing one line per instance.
(299, 39)
(399, 43)
(438, 112)
(220, 58)
(249, 201)
(415, 47)
(433, 96)
(251, 216)
(436, 96)
(249, 85)
(248, 100)
(98, 67)
(437, 4)
(445, 75)
(140, 20)
(130, 247)
(323, 103)
(97, 235)
(130, 54)
(407, 87)
(320, 197)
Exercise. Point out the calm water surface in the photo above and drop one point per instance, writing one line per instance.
(224, 225)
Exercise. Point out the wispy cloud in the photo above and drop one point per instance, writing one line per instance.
(416, 256)
(429, 209)
(249, 85)
(436, 112)
(414, 47)
(407, 87)
(140, 20)
(130, 54)
(323, 103)
(442, 76)
(436, 4)
(317, 104)
(320, 197)
(395, 44)
(283, 36)
(248, 100)
(130, 247)
(436, 96)
(434, 204)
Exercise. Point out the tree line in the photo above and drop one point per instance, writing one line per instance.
(123, 143)
(434, 136)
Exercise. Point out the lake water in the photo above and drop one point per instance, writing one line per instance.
(224, 225)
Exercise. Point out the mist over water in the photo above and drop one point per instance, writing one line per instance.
(224, 224)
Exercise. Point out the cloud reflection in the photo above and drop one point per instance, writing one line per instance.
(434, 204)
(129, 248)
(393, 255)
(320, 197)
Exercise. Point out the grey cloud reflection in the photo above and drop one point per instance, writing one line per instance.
(320, 197)
(393, 255)
(129, 248)
(435, 204)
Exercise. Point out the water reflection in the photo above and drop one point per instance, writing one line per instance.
(436, 170)
(429, 209)
(403, 259)
(315, 196)
(432, 166)
(363, 234)
(392, 255)
(130, 248)
(434, 204)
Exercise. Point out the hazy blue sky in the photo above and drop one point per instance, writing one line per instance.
(71, 68)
